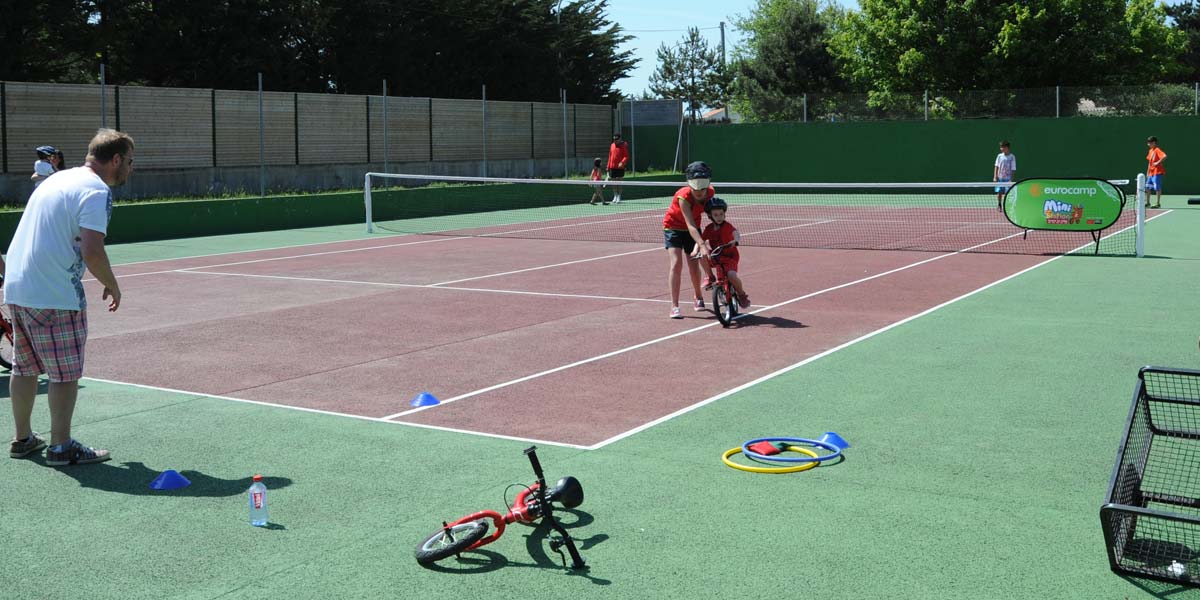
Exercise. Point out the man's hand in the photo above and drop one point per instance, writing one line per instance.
(115, 294)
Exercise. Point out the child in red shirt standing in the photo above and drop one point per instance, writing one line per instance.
(596, 185)
(719, 232)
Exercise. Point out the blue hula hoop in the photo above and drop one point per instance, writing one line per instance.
(826, 445)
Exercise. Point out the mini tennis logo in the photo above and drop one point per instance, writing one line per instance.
(1063, 213)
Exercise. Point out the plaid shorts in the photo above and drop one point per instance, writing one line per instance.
(50, 341)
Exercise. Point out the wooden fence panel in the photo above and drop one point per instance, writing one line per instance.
(333, 129)
(171, 127)
(237, 128)
(408, 129)
(65, 116)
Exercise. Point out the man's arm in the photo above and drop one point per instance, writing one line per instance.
(91, 247)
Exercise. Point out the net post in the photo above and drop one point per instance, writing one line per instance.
(367, 202)
(1140, 227)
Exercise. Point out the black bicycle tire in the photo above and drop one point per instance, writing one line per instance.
(720, 307)
(465, 538)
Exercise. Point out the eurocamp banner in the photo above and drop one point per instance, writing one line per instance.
(1063, 204)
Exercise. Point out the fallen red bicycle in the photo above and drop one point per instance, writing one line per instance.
(531, 504)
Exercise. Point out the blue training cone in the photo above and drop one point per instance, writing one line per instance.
(169, 480)
(425, 399)
(835, 440)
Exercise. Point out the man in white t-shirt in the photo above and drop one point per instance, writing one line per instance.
(61, 231)
(1003, 170)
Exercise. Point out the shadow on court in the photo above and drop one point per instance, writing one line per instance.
(134, 478)
(43, 386)
(772, 321)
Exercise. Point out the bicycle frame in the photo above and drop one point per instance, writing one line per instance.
(531, 504)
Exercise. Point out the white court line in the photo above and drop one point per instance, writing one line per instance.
(687, 331)
(655, 213)
(707, 401)
(339, 414)
(260, 260)
(421, 286)
(562, 264)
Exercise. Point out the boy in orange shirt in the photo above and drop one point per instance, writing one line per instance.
(1154, 171)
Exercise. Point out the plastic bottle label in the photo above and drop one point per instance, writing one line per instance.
(257, 499)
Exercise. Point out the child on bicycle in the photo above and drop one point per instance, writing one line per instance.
(718, 232)
(597, 186)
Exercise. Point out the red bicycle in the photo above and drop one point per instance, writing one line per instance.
(724, 301)
(532, 503)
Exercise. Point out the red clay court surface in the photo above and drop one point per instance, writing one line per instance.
(503, 331)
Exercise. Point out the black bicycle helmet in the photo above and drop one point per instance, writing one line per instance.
(698, 170)
(715, 203)
(46, 151)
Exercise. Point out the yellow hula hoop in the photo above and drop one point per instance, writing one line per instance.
(793, 469)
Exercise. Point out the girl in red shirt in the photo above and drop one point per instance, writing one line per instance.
(681, 232)
(597, 194)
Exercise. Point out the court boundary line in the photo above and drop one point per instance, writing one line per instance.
(815, 357)
(627, 433)
(337, 414)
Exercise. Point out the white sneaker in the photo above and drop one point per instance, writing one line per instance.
(616, 200)
(675, 314)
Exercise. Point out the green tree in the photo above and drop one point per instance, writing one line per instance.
(1186, 16)
(45, 41)
(784, 55)
(909, 45)
(690, 71)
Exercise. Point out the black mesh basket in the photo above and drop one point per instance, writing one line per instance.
(1152, 515)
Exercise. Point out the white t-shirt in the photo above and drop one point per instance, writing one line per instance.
(44, 263)
(43, 168)
(1006, 165)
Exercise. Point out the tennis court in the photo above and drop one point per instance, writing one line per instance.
(984, 392)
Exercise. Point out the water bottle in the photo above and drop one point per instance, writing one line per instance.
(258, 502)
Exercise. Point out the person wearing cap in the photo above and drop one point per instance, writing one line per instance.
(681, 232)
(48, 163)
(618, 159)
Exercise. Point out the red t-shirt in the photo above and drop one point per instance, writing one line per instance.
(674, 217)
(596, 174)
(618, 155)
(716, 235)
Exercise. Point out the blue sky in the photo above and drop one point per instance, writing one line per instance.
(654, 22)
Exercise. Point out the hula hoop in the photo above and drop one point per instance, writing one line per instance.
(815, 459)
(796, 469)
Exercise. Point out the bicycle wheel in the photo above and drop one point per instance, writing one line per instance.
(439, 546)
(6, 340)
(723, 305)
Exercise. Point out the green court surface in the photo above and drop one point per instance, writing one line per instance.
(984, 434)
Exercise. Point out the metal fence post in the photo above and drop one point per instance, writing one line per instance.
(804, 105)
(485, 131)
(367, 97)
(213, 113)
(1057, 101)
(563, 100)
(1196, 100)
(926, 105)
(262, 165)
(3, 129)
(385, 128)
(103, 100)
(632, 139)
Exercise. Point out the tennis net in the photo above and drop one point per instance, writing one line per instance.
(933, 217)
